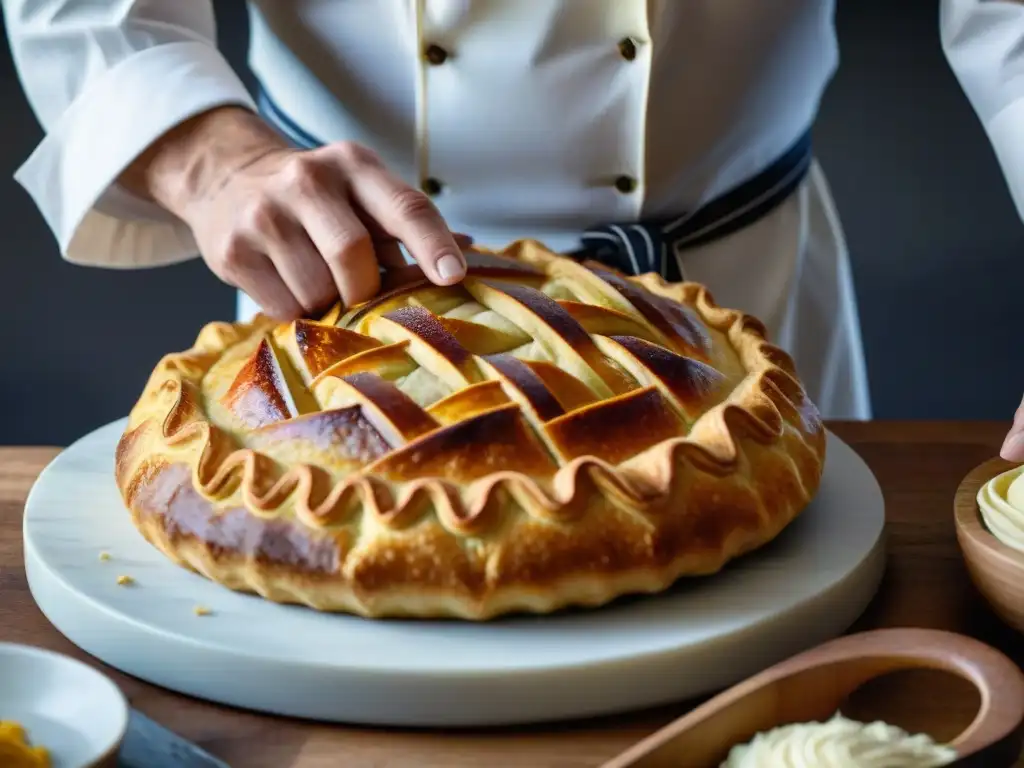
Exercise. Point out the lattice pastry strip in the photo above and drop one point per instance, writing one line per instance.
(688, 379)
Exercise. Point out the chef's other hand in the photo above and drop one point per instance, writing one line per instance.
(296, 230)
(1013, 445)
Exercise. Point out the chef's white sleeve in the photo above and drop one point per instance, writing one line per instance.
(106, 78)
(984, 43)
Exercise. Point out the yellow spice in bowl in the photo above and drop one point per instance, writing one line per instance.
(16, 751)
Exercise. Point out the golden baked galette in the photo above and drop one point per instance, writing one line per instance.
(544, 434)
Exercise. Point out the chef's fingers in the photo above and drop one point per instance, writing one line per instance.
(253, 272)
(379, 234)
(344, 245)
(297, 261)
(462, 240)
(409, 215)
(390, 255)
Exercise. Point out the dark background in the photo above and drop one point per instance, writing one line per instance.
(934, 238)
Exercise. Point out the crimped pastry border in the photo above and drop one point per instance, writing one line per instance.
(768, 414)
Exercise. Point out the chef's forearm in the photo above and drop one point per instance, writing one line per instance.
(103, 105)
(190, 161)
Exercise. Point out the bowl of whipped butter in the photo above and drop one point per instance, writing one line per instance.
(989, 515)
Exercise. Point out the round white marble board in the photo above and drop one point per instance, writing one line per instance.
(807, 586)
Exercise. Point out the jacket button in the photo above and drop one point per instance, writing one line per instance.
(436, 55)
(431, 186)
(627, 48)
(625, 184)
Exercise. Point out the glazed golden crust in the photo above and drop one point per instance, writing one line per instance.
(545, 434)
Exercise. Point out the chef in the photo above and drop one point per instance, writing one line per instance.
(650, 134)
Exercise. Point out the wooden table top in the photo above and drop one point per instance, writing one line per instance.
(918, 464)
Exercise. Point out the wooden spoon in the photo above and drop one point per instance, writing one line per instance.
(813, 685)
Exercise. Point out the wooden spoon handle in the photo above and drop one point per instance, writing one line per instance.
(871, 654)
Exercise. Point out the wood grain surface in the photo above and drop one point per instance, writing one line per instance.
(919, 466)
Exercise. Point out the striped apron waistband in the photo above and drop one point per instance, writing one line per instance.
(650, 245)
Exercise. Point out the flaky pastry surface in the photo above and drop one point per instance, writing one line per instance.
(544, 434)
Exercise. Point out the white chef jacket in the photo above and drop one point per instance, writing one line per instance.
(526, 124)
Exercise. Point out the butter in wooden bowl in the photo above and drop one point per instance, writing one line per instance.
(16, 751)
(1001, 503)
(989, 518)
(839, 743)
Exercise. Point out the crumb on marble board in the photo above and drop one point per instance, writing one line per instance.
(202, 610)
(104, 556)
(125, 581)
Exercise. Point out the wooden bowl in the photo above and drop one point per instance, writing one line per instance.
(996, 569)
(813, 685)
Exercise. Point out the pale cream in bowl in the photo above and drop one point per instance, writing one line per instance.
(839, 743)
(1001, 502)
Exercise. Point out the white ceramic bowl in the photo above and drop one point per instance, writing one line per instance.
(78, 714)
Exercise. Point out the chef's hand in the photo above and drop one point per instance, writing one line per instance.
(294, 229)
(1013, 445)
